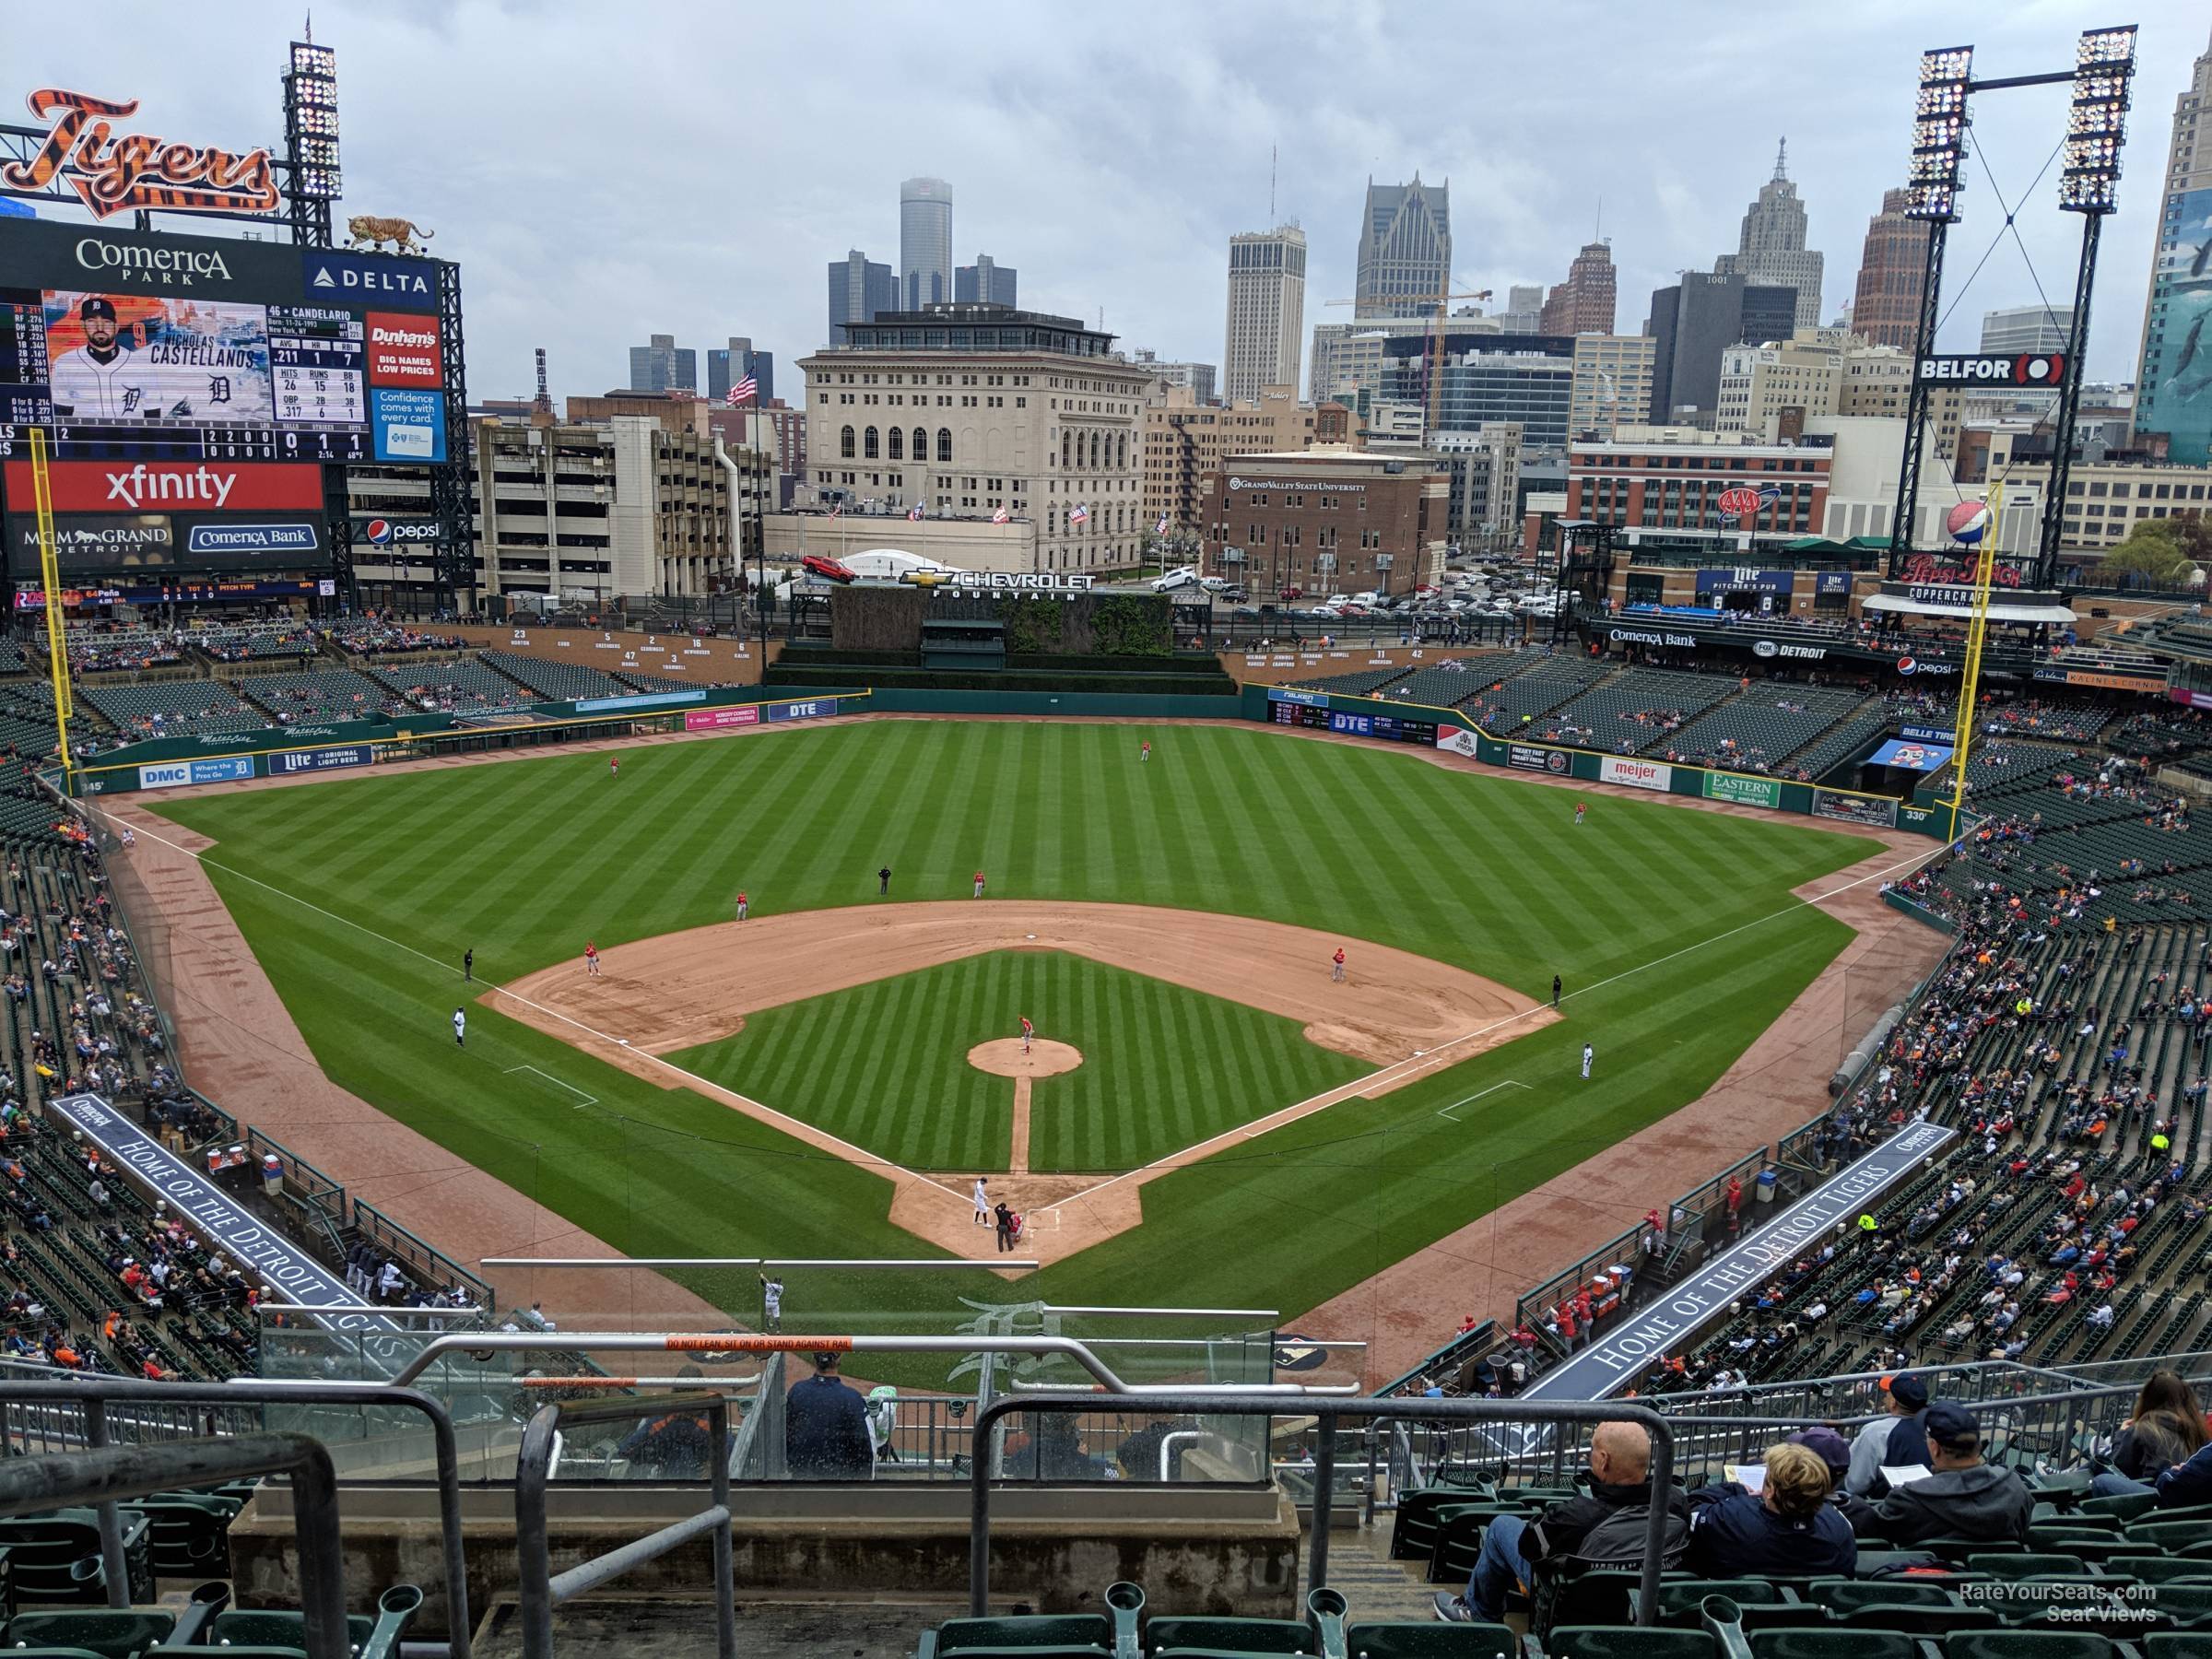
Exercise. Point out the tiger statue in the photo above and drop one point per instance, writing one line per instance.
(368, 230)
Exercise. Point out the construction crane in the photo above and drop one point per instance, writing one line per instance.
(1436, 338)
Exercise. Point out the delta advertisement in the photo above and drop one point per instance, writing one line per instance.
(2174, 393)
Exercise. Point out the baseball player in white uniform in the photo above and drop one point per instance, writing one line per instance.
(101, 380)
(460, 1029)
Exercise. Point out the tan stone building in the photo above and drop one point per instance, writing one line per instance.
(1612, 384)
(1758, 382)
(1186, 441)
(1326, 521)
(974, 409)
(1877, 380)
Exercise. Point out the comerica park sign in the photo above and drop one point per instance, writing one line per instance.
(2023, 369)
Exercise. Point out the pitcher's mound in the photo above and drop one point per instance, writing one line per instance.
(1001, 1057)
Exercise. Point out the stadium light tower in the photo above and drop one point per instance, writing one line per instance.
(1932, 184)
(2105, 79)
(311, 141)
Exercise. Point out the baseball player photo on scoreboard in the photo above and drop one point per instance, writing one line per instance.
(129, 357)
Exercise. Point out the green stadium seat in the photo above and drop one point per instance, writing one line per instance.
(2169, 1534)
(109, 1634)
(1080, 1633)
(190, 1536)
(55, 1558)
(2159, 1569)
(1758, 1602)
(1920, 1620)
(2026, 1565)
(2176, 1645)
(2123, 1507)
(1626, 1642)
(1813, 1642)
(266, 1635)
(1430, 1641)
(1241, 1635)
(2028, 1644)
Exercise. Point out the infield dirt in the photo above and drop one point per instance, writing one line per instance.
(1403, 1012)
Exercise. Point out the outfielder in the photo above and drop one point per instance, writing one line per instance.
(460, 1029)
(1337, 964)
(1589, 1054)
(979, 884)
(591, 960)
(744, 907)
(772, 1302)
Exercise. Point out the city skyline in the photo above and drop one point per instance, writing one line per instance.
(1125, 205)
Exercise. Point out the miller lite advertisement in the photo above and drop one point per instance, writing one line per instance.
(119, 358)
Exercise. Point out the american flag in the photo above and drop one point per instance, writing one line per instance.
(914, 511)
(1002, 516)
(1079, 515)
(1161, 528)
(743, 392)
(835, 509)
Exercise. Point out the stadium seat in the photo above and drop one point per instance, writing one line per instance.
(1234, 1635)
(1626, 1642)
(2028, 1644)
(56, 1558)
(1430, 1641)
(106, 1634)
(1079, 1633)
(272, 1635)
(1813, 1642)
(190, 1536)
(1758, 1602)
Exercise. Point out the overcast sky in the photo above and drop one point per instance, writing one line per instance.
(603, 172)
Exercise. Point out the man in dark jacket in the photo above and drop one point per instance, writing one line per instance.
(1620, 1456)
(826, 1432)
(2187, 1483)
(1965, 1498)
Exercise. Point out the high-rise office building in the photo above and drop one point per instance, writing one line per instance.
(726, 365)
(1524, 309)
(986, 282)
(1612, 384)
(1584, 302)
(2174, 382)
(924, 242)
(1770, 251)
(859, 290)
(1694, 322)
(1528, 380)
(664, 366)
(1405, 249)
(2026, 328)
(1267, 311)
(1893, 271)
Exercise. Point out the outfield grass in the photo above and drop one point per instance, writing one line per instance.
(522, 861)
(885, 1065)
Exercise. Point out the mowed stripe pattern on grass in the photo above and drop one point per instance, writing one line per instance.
(885, 1065)
(526, 861)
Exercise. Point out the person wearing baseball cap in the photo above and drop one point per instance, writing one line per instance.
(1963, 1497)
(826, 1430)
(1896, 1440)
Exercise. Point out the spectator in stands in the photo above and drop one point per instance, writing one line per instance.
(1620, 1498)
(1898, 1441)
(826, 1434)
(1786, 1528)
(2167, 1427)
(1963, 1497)
(675, 1447)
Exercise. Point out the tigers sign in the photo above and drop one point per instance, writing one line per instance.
(114, 172)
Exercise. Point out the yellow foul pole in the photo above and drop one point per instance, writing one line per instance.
(1971, 671)
(57, 647)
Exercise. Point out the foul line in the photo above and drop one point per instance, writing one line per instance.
(798, 1130)
(1398, 1072)
(1477, 1095)
(588, 1100)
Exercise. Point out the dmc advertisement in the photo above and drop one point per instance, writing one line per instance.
(2175, 395)
(173, 774)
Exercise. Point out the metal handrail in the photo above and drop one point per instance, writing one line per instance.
(1194, 1402)
(734, 1342)
(93, 1392)
(105, 1475)
(539, 1590)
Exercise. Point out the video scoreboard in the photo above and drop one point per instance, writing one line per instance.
(135, 345)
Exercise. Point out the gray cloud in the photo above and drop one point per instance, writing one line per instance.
(602, 172)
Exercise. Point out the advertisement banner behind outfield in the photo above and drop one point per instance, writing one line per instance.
(1927, 734)
(1524, 757)
(1458, 740)
(1635, 774)
(710, 720)
(1290, 694)
(813, 708)
(320, 759)
(1745, 792)
(173, 774)
(1879, 810)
